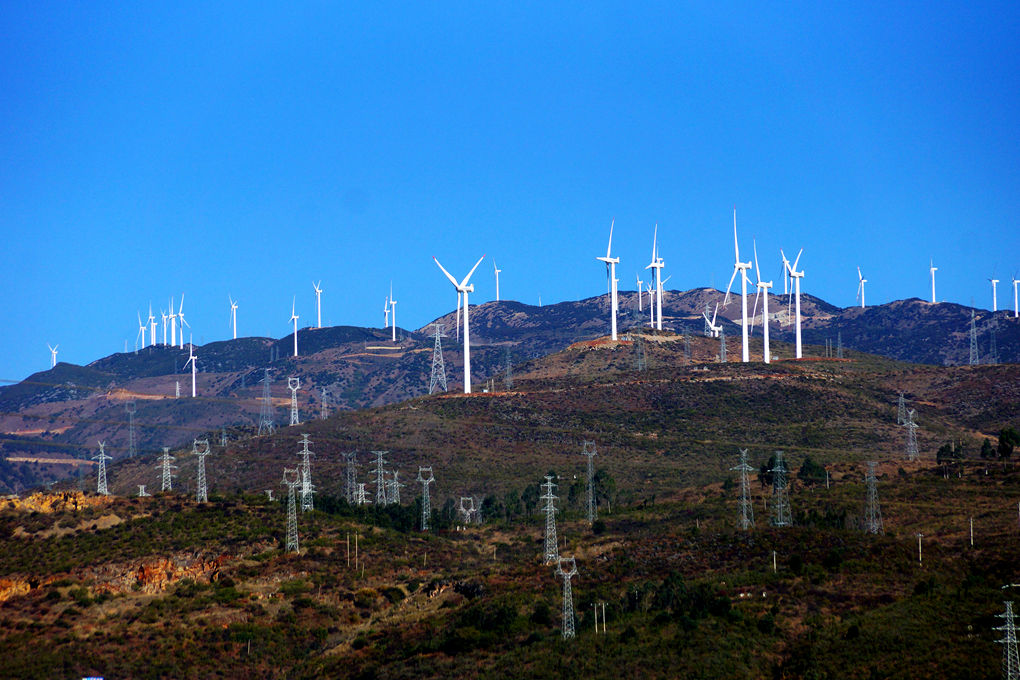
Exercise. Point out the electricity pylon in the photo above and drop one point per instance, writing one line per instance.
(306, 475)
(901, 410)
(438, 378)
(781, 514)
(508, 379)
(974, 358)
(291, 478)
(746, 506)
(467, 510)
(294, 384)
(201, 492)
(393, 489)
(323, 403)
(722, 345)
(380, 477)
(351, 481)
(568, 595)
(551, 550)
(589, 452)
(912, 453)
(839, 344)
(166, 465)
(360, 497)
(101, 477)
(131, 410)
(141, 491)
(872, 511)
(266, 425)
(425, 477)
(1010, 660)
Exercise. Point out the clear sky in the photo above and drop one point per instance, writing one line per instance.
(154, 149)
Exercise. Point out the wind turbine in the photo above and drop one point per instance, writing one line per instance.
(497, 279)
(294, 317)
(152, 324)
(741, 267)
(995, 299)
(141, 332)
(386, 311)
(796, 276)
(1016, 309)
(163, 314)
(639, 292)
(173, 323)
(932, 269)
(657, 264)
(233, 314)
(786, 273)
(763, 288)
(393, 309)
(318, 303)
(180, 315)
(860, 287)
(611, 263)
(464, 288)
(192, 359)
(53, 355)
(651, 307)
(713, 328)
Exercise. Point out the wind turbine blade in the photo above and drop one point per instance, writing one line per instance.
(754, 312)
(757, 270)
(449, 276)
(609, 248)
(794, 268)
(859, 275)
(726, 299)
(859, 286)
(655, 239)
(715, 313)
(468, 277)
(736, 248)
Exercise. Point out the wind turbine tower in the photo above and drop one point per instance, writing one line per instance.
(152, 327)
(173, 323)
(497, 270)
(318, 303)
(464, 288)
(1016, 308)
(294, 317)
(164, 317)
(657, 264)
(202, 491)
(995, 298)
(294, 384)
(393, 315)
(551, 547)
(53, 355)
(101, 457)
(763, 290)
(640, 295)
(796, 276)
(233, 314)
(932, 269)
(192, 359)
(860, 286)
(568, 596)
(166, 466)
(611, 263)
(425, 477)
(742, 268)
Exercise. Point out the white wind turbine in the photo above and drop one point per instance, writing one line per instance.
(163, 314)
(611, 263)
(995, 299)
(1016, 308)
(860, 287)
(180, 316)
(639, 292)
(763, 289)
(932, 269)
(173, 323)
(318, 303)
(152, 325)
(233, 314)
(786, 273)
(741, 267)
(714, 329)
(657, 264)
(651, 306)
(294, 317)
(796, 276)
(53, 355)
(497, 278)
(386, 311)
(141, 332)
(463, 289)
(393, 310)
(193, 360)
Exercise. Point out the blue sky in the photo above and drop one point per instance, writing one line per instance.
(157, 149)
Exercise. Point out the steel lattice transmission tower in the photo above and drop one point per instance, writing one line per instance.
(1010, 660)
(101, 477)
(351, 476)
(872, 511)
(551, 550)
(307, 489)
(393, 486)
(425, 477)
(746, 506)
(438, 378)
(781, 514)
(568, 594)
(508, 379)
(166, 465)
(839, 344)
(901, 410)
(639, 351)
(294, 384)
(974, 359)
(291, 478)
(722, 345)
(912, 453)
(589, 452)
(202, 491)
(141, 491)
(323, 403)
(361, 497)
(131, 410)
(266, 425)
(993, 347)
(380, 477)
(467, 510)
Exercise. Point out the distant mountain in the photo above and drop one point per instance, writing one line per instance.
(70, 408)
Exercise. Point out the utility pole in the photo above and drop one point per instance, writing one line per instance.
(201, 492)
(919, 537)
(131, 410)
(166, 464)
(588, 451)
(568, 596)
(294, 384)
(781, 514)
(101, 478)
(380, 477)
(266, 425)
(746, 507)
(551, 549)
(291, 480)
(307, 489)
(872, 511)
(438, 378)
(425, 477)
